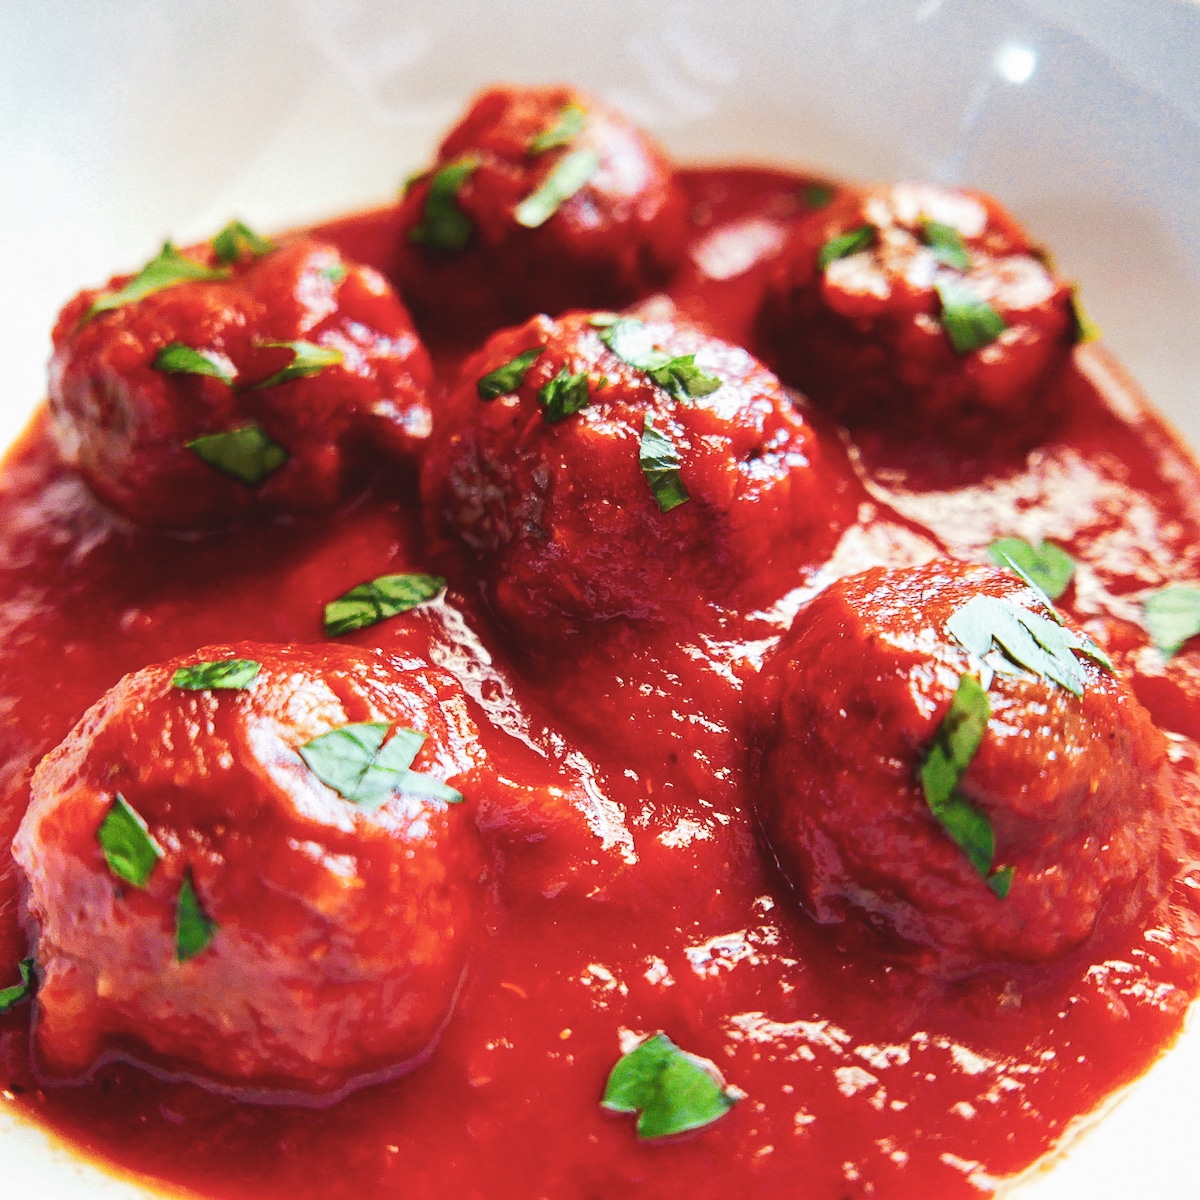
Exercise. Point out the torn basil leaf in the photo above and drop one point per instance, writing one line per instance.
(659, 461)
(358, 764)
(377, 599)
(246, 454)
(167, 269)
(130, 851)
(816, 195)
(1086, 330)
(307, 359)
(335, 272)
(846, 244)
(567, 126)
(443, 225)
(632, 342)
(505, 380)
(946, 243)
(237, 239)
(194, 928)
(1048, 566)
(178, 359)
(568, 177)
(10, 997)
(1173, 617)
(672, 1090)
(970, 321)
(563, 396)
(230, 674)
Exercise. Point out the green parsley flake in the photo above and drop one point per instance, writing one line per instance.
(1086, 330)
(377, 599)
(564, 395)
(659, 461)
(1173, 617)
(237, 239)
(246, 454)
(356, 762)
(1049, 567)
(568, 177)
(335, 272)
(130, 851)
(168, 269)
(307, 359)
(443, 225)
(946, 243)
(178, 359)
(845, 244)
(970, 321)
(194, 928)
(816, 195)
(230, 674)
(673, 1091)
(567, 126)
(10, 997)
(505, 380)
(632, 342)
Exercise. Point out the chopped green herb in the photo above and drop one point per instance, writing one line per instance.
(846, 244)
(946, 243)
(564, 395)
(970, 321)
(567, 125)
(167, 269)
(247, 454)
(1086, 330)
(444, 226)
(567, 178)
(632, 342)
(10, 997)
(1000, 882)
(659, 461)
(178, 359)
(356, 762)
(672, 1090)
(377, 599)
(505, 380)
(335, 272)
(230, 674)
(1048, 566)
(816, 195)
(307, 359)
(130, 851)
(237, 239)
(194, 928)
(1173, 617)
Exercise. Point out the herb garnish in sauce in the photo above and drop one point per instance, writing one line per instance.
(237, 239)
(1049, 566)
(443, 225)
(659, 461)
(307, 359)
(846, 244)
(564, 395)
(178, 359)
(230, 674)
(505, 380)
(632, 342)
(569, 123)
(567, 178)
(194, 928)
(1173, 617)
(10, 997)
(377, 599)
(167, 269)
(129, 849)
(970, 321)
(246, 454)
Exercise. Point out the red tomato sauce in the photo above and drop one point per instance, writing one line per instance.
(861, 1077)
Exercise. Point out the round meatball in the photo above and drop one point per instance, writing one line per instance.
(919, 312)
(1069, 786)
(590, 488)
(267, 384)
(540, 199)
(219, 891)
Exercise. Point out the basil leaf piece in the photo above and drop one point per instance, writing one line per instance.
(569, 123)
(564, 395)
(130, 851)
(10, 997)
(167, 269)
(505, 380)
(374, 601)
(659, 461)
(816, 195)
(1173, 617)
(1048, 566)
(356, 762)
(567, 178)
(237, 239)
(194, 928)
(632, 342)
(846, 244)
(946, 243)
(335, 272)
(230, 674)
(970, 322)
(178, 359)
(246, 454)
(1086, 330)
(307, 359)
(672, 1090)
(680, 377)
(443, 225)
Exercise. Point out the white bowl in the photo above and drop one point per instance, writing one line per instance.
(126, 122)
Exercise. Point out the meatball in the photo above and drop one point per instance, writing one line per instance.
(1056, 819)
(591, 488)
(919, 312)
(241, 884)
(263, 383)
(541, 199)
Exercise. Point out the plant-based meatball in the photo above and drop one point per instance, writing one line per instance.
(256, 866)
(920, 312)
(540, 200)
(237, 377)
(604, 467)
(982, 804)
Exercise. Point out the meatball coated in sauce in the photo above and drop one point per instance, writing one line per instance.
(125, 411)
(881, 336)
(473, 257)
(1071, 786)
(340, 930)
(560, 509)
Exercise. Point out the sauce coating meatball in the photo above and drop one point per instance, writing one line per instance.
(920, 312)
(219, 890)
(267, 382)
(590, 488)
(540, 199)
(1066, 789)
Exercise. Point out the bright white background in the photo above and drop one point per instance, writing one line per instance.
(126, 121)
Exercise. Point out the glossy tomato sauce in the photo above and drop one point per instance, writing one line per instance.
(860, 1077)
